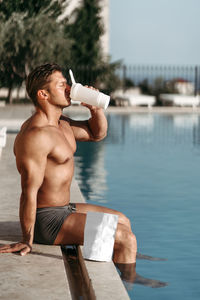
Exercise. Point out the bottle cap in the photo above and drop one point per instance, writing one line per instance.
(103, 100)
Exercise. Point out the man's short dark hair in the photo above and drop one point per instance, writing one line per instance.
(39, 78)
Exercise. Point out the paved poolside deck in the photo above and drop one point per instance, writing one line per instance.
(42, 273)
(23, 111)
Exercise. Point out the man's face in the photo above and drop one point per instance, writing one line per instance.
(59, 90)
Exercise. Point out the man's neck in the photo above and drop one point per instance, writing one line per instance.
(51, 115)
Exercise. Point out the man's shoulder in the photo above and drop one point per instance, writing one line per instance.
(33, 138)
(35, 132)
(35, 128)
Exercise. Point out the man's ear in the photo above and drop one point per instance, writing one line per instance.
(42, 94)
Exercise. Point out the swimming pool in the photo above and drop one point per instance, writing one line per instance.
(148, 168)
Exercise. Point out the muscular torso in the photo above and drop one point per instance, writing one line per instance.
(55, 188)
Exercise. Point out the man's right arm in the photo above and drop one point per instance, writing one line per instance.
(31, 159)
(32, 168)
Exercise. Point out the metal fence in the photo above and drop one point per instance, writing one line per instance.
(160, 76)
(150, 78)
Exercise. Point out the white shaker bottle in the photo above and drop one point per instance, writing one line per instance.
(89, 96)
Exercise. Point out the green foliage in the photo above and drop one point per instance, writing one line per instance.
(107, 79)
(145, 87)
(27, 42)
(86, 31)
(31, 34)
(128, 83)
(29, 37)
(31, 7)
(11, 35)
(89, 64)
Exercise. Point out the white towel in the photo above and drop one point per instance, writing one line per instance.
(99, 236)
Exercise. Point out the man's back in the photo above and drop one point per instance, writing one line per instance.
(40, 147)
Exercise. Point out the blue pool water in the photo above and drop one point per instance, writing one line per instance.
(148, 167)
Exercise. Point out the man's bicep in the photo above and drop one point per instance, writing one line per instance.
(31, 157)
(81, 130)
(32, 172)
(31, 163)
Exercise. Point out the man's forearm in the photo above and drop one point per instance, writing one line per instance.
(98, 124)
(27, 218)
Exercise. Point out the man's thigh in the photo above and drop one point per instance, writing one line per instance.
(85, 207)
(72, 230)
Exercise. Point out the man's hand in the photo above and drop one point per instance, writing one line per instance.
(91, 87)
(21, 247)
(92, 108)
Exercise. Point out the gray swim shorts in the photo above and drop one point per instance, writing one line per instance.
(49, 221)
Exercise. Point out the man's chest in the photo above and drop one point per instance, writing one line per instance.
(64, 146)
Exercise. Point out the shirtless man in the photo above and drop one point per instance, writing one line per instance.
(44, 150)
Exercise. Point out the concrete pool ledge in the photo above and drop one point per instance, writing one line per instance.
(40, 274)
(105, 280)
(104, 277)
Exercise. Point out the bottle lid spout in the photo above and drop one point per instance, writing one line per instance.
(72, 76)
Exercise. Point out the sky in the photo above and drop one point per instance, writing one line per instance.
(155, 31)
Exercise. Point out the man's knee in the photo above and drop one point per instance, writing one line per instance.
(126, 238)
(124, 220)
(131, 241)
